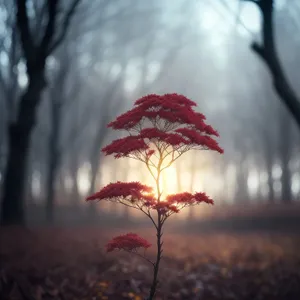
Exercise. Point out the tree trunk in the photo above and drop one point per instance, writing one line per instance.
(19, 135)
(268, 152)
(95, 158)
(285, 145)
(95, 164)
(269, 164)
(53, 161)
(242, 194)
(75, 195)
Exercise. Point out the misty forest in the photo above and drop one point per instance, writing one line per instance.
(70, 67)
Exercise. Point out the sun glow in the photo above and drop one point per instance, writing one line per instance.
(168, 181)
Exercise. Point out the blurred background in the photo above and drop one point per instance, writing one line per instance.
(62, 83)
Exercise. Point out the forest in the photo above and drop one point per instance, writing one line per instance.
(69, 67)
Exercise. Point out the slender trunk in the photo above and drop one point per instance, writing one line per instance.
(158, 234)
(286, 184)
(268, 158)
(95, 164)
(75, 192)
(75, 196)
(285, 146)
(19, 136)
(95, 157)
(271, 197)
(242, 195)
(94, 172)
(158, 258)
(53, 161)
(286, 193)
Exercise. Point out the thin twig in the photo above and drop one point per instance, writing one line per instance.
(144, 257)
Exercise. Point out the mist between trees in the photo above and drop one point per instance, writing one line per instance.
(70, 67)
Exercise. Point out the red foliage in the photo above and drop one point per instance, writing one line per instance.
(188, 198)
(168, 124)
(125, 146)
(195, 138)
(128, 242)
(163, 207)
(133, 191)
(174, 122)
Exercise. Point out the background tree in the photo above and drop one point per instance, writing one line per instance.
(37, 43)
(268, 52)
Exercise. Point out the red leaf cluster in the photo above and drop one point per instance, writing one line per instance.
(124, 146)
(188, 198)
(139, 196)
(127, 242)
(163, 207)
(133, 191)
(175, 202)
(174, 123)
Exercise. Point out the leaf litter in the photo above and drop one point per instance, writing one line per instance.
(63, 264)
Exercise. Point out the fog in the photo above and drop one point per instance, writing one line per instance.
(117, 51)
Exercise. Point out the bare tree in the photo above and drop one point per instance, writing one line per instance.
(57, 99)
(36, 51)
(267, 51)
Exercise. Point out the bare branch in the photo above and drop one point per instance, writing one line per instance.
(52, 7)
(259, 50)
(25, 34)
(268, 53)
(65, 26)
(40, 14)
(142, 256)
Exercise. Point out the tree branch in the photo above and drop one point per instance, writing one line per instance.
(52, 6)
(65, 26)
(141, 256)
(259, 50)
(268, 53)
(25, 34)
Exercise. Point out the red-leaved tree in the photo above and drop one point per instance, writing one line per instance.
(160, 129)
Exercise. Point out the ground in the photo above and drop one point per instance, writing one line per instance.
(72, 264)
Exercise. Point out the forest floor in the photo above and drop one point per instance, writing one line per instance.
(63, 264)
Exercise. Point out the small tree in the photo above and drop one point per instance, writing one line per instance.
(160, 129)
